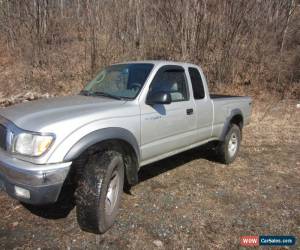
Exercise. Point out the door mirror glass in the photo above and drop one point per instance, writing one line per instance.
(158, 98)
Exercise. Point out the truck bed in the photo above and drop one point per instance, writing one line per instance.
(225, 104)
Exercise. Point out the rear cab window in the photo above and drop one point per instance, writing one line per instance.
(197, 83)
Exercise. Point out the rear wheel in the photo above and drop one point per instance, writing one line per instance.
(228, 149)
(99, 190)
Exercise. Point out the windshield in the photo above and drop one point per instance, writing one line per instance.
(121, 81)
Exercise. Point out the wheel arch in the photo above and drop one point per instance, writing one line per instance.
(122, 138)
(235, 117)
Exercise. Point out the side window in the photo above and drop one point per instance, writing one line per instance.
(171, 80)
(197, 83)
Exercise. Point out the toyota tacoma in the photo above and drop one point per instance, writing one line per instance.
(131, 114)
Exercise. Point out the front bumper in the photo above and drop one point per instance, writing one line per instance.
(44, 182)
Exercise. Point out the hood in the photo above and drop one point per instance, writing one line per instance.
(37, 114)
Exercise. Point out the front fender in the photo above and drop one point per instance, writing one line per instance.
(102, 135)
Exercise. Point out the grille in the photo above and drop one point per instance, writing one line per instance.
(2, 137)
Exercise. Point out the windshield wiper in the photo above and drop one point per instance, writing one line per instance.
(99, 93)
(85, 92)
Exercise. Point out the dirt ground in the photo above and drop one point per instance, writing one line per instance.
(188, 201)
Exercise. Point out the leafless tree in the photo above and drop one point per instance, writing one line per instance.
(234, 40)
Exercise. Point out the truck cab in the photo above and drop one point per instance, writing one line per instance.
(185, 121)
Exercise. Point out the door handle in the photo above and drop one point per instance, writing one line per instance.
(189, 111)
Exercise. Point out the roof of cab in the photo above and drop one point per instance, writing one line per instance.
(160, 62)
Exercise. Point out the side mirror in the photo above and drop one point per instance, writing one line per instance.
(159, 98)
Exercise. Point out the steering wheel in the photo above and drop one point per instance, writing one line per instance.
(135, 86)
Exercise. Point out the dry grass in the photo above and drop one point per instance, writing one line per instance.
(273, 123)
(65, 74)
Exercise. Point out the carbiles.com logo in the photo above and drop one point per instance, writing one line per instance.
(252, 241)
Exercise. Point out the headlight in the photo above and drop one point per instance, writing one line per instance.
(32, 144)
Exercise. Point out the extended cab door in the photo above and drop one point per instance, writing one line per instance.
(204, 105)
(167, 127)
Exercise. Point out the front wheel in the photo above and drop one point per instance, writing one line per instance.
(228, 149)
(99, 191)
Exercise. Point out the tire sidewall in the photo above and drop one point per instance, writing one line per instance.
(106, 221)
(233, 129)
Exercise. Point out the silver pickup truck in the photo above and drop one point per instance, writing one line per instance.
(130, 115)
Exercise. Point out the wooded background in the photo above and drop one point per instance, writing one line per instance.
(56, 46)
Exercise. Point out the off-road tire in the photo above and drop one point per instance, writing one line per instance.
(225, 155)
(92, 189)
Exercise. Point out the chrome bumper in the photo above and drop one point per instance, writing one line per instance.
(44, 182)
